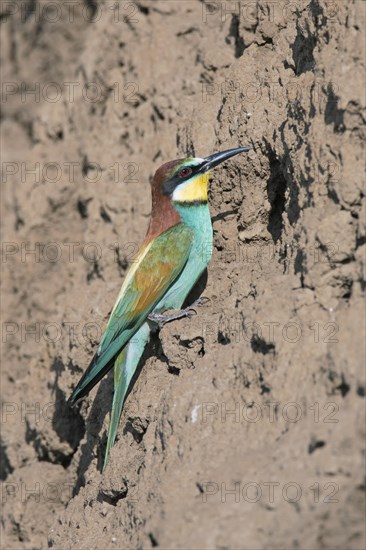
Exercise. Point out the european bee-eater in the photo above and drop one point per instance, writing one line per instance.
(174, 254)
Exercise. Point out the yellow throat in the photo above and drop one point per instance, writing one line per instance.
(194, 190)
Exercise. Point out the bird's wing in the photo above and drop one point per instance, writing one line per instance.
(158, 265)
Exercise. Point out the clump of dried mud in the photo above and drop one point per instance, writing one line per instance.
(245, 427)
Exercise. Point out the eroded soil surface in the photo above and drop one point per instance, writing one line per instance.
(245, 427)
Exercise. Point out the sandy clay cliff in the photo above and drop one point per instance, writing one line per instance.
(245, 427)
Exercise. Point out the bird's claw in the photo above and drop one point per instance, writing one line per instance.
(161, 318)
(191, 313)
(201, 301)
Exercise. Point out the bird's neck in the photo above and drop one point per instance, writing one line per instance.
(163, 216)
(194, 214)
(167, 213)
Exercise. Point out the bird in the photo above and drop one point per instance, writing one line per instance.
(174, 254)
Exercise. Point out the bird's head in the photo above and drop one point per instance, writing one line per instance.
(186, 180)
(181, 181)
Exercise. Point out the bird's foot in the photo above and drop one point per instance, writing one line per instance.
(162, 318)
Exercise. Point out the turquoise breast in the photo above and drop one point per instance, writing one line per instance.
(197, 217)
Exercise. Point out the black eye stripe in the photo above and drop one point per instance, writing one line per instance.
(176, 180)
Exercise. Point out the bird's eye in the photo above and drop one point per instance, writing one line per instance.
(184, 172)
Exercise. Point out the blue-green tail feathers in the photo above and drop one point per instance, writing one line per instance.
(95, 372)
(124, 368)
(101, 363)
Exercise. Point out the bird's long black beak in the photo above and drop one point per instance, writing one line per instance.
(218, 158)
